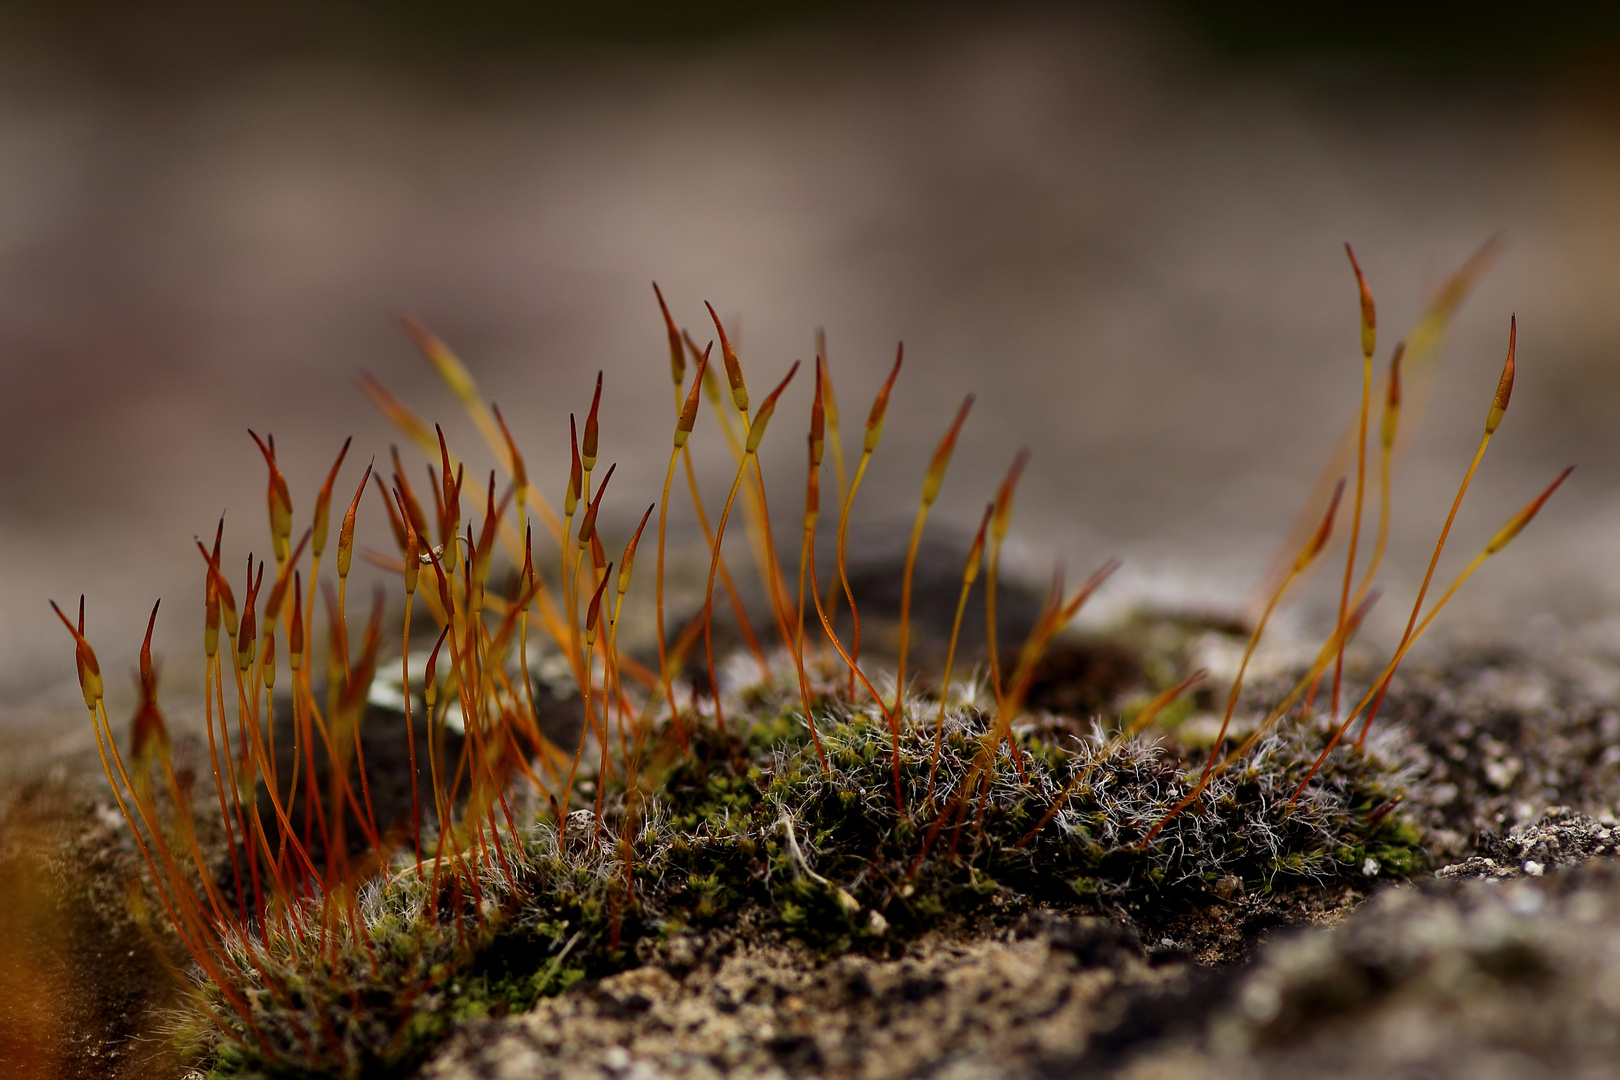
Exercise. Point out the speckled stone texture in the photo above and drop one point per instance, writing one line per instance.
(1511, 979)
(998, 1006)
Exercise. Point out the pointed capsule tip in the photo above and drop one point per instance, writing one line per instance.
(1369, 315)
(1516, 525)
(1324, 531)
(1504, 386)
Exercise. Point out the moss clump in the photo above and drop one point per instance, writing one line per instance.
(766, 824)
(750, 828)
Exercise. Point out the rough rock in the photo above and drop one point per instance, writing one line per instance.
(995, 1006)
(1444, 979)
(1561, 838)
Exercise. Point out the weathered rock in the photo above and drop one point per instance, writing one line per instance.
(1449, 978)
(1561, 838)
(989, 1007)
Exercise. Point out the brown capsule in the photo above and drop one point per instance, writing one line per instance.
(486, 533)
(629, 558)
(587, 523)
(528, 558)
(323, 501)
(295, 625)
(268, 667)
(227, 599)
(84, 658)
(756, 427)
(970, 572)
(453, 511)
(818, 419)
(1504, 386)
(683, 426)
(1392, 401)
(576, 474)
(880, 405)
(1002, 516)
(445, 600)
(1369, 314)
(148, 733)
(829, 400)
(587, 445)
(246, 636)
(739, 392)
(280, 501)
(677, 355)
(812, 491)
(1506, 533)
(942, 455)
(211, 617)
(593, 612)
(412, 551)
(1323, 531)
(430, 684)
(450, 518)
(278, 590)
(711, 385)
(92, 667)
(345, 554)
(146, 668)
(449, 492)
(1082, 594)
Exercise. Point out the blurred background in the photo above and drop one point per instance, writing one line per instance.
(1120, 225)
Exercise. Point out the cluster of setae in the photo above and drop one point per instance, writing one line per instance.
(346, 932)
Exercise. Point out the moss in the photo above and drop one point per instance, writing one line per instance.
(750, 827)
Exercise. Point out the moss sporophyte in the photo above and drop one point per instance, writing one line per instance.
(387, 878)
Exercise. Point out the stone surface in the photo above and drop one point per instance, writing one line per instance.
(995, 1006)
(1448, 978)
